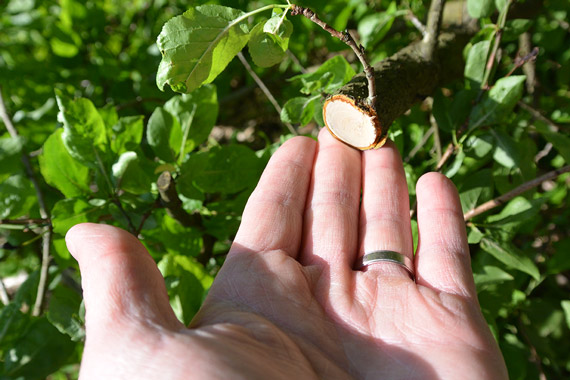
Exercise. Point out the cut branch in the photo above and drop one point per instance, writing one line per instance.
(47, 230)
(515, 192)
(345, 37)
(401, 80)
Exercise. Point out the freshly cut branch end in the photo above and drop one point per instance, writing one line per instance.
(353, 123)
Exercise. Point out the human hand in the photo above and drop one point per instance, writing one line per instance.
(288, 302)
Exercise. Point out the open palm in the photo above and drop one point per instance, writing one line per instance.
(289, 301)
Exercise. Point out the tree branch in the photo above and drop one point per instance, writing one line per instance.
(345, 37)
(432, 28)
(417, 23)
(173, 204)
(24, 222)
(46, 234)
(513, 193)
(265, 90)
(537, 115)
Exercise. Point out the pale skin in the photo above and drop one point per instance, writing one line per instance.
(289, 302)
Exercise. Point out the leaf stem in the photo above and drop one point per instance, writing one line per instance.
(513, 193)
(347, 38)
(265, 90)
(113, 194)
(47, 230)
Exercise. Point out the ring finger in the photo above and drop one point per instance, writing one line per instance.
(385, 211)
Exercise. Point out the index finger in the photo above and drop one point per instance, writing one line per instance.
(273, 217)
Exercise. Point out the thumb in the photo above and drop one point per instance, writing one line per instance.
(121, 282)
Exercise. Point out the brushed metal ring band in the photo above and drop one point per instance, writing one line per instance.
(387, 256)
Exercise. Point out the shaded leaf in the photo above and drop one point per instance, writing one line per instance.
(560, 141)
(227, 169)
(196, 114)
(509, 255)
(63, 312)
(331, 75)
(198, 45)
(10, 156)
(162, 129)
(300, 110)
(38, 352)
(17, 197)
(61, 170)
(69, 212)
(374, 27)
(440, 112)
(269, 41)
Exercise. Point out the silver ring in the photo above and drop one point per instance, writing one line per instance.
(389, 256)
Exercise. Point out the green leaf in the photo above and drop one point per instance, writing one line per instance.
(13, 324)
(162, 129)
(39, 352)
(172, 237)
(514, 28)
(63, 312)
(17, 197)
(518, 211)
(187, 283)
(10, 159)
(299, 110)
(480, 8)
(490, 275)
(61, 170)
(476, 189)
(509, 255)
(498, 102)
(69, 212)
(374, 27)
(196, 114)
(506, 150)
(269, 41)
(560, 261)
(83, 128)
(566, 308)
(440, 108)
(330, 76)
(131, 174)
(456, 165)
(227, 169)
(198, 45)
(479, 146)
(126, 134)
(476, 62)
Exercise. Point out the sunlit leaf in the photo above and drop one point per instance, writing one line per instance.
(198, 45)
(330, 76)
(509, 255)
(61, 170)
(480, 8)
(300, 110)
(269, 41)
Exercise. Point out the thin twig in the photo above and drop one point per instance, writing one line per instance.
(4, 293)
(429, 41)
(417, 23)
(146, 215)
(419, 145)
(265, 90)
(436, 138)
(46, 234)
(513, 193)
(520, 61)
(489, 69)
(24, 222)
(345, 37)
(296, 61)
(537, 115)
(446, 156)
